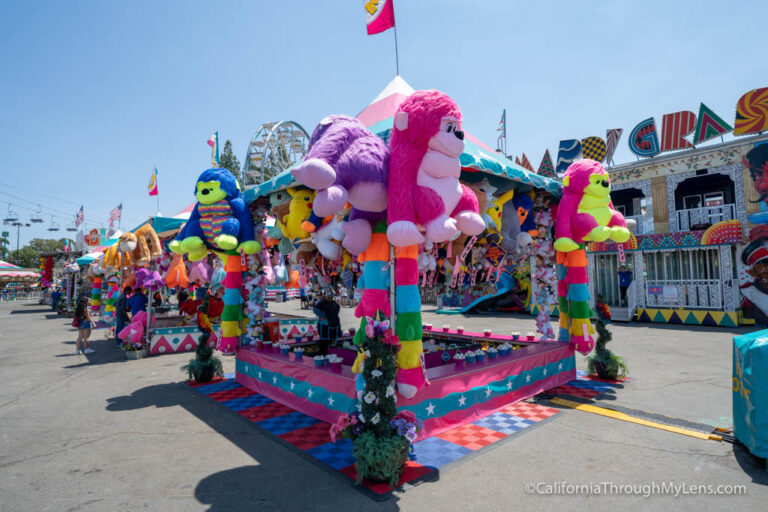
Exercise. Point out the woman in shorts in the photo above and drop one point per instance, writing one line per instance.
(83, 312)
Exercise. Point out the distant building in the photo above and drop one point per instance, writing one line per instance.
(692, 213)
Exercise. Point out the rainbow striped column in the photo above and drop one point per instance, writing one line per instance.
(98, 281)
(410, 373)
(232, 314)
(375, 280)
(573, 300)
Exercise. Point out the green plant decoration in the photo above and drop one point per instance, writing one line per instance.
(205, 366)
(605, 363)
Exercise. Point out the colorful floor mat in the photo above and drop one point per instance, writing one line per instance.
(311, 436)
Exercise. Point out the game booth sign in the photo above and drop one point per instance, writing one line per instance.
(394, 185)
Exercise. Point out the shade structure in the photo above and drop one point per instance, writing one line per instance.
(6, 265)
(477, 157)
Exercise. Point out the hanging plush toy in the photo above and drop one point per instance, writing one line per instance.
(142, 246)
(423, 185)
(585, 214)
(299, 210)
(176, 275)
(134, 332)
(220, 220)
(346, 162)
(524, 206)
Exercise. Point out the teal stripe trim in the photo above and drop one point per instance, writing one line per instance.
(481, 394)
(299, 388)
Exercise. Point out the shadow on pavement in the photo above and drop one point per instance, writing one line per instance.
(752, 465)
(106, 352)
(274, 482)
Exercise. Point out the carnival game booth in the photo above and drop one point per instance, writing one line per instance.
(468, 375)
(169, 331)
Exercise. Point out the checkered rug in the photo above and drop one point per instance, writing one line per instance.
(311, 436)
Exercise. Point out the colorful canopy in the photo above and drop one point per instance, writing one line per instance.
(12, 273)
(477, 156)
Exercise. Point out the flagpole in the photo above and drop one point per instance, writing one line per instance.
(397, 56)
(157, 187)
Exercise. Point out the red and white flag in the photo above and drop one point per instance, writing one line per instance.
(79, 218)
(379, 15)
(115, 214)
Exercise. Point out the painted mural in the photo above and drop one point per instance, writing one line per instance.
(753, 258)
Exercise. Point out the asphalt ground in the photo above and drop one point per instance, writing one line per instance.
(96, 432)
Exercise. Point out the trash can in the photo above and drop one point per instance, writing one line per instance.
(750, 391)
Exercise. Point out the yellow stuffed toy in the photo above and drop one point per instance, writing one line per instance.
(300, 209)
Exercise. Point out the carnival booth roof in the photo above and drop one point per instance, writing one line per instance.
(12, 273)
(477, 156)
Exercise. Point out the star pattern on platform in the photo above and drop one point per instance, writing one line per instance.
(259, 374)
(488, 392)
(560, 366)
(330, 400)
(545, 370)
(274, 379)
(527, 378)
(462, 401)
(430, 409)
(309, 393)
(293, 384)
(509, 385)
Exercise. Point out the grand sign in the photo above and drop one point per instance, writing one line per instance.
(645, 140)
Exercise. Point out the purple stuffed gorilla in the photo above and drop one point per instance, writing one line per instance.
(346, 162)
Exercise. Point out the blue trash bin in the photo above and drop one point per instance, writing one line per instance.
(750, 391)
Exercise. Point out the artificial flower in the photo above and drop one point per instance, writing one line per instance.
(376, 418)
(370, 397)
(390, 391)
(376, 373)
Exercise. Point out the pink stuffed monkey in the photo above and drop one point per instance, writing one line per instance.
(423, 186)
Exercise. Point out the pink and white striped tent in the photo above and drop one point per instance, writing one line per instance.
(12, 273)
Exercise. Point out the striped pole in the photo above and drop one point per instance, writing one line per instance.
(374, 284)
(231, 316)
(410, 374)
(96, 294)
(573, 299)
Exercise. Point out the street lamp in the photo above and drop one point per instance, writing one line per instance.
(18, 225)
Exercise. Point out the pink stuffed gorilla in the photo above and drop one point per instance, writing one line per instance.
(424, 167)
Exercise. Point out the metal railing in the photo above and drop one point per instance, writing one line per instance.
(693, 294)
(644, 224)
(707, 215)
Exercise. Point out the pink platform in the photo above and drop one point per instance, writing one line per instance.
(454, 397)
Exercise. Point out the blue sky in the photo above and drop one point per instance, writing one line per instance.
(97, 93)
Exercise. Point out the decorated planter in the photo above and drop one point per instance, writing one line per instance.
(492, 353)
(319, 361)
(446, 327)
(470, 358)
(487, 333)
(460, 329)
(515, 336)
(383, 461)
(480, 356)
(285, 350)
(136, 354)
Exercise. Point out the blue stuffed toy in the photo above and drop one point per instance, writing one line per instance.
(220, 220)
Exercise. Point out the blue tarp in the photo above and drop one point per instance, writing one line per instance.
(750, 391)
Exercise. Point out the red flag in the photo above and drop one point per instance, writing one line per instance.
(379, 15)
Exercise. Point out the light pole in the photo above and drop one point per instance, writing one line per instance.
(18, 235)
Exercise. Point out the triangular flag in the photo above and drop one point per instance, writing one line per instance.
(517, 161)
(709, 125)
(546, 167)
(525, 163)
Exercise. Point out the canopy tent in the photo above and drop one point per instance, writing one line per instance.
(477, 156)
(167, 226)
(12, 273)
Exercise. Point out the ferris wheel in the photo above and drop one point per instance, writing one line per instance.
(274, 148)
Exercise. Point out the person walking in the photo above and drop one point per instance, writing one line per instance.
(329, 325)
(83, 314)
(121, 312)
(625, 278)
